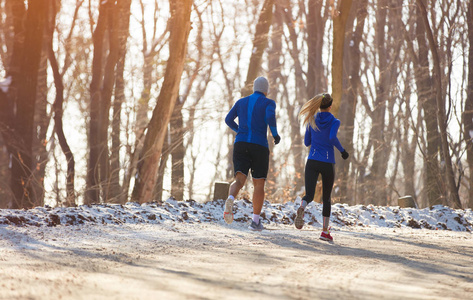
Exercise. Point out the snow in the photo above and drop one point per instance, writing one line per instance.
(435, 218)
(184, 250)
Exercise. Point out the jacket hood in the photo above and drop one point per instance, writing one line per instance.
(324, 120)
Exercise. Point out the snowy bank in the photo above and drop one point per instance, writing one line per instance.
(436, 218)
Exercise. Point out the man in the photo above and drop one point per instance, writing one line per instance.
(250, 151)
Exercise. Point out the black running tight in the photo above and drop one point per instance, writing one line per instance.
(312, 170)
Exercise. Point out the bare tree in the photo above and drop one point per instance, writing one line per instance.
(106, 56)
(58, 112)
(260, 42)
(340, 17)
(468, 112)
(349, 108)
(150, 50)
(17, 103)
(441, 114)
(123, 13)
(149, 157)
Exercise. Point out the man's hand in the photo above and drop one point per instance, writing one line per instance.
(277, 139)
(345, 154)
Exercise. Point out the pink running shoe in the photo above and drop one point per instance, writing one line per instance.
(326, 236)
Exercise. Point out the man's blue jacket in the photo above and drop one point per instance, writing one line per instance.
(255, 113)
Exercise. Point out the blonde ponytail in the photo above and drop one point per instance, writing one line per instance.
(310, 109)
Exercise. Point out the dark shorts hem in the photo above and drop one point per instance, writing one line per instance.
(249, 156)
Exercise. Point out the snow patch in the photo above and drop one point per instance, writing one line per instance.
(435, 218)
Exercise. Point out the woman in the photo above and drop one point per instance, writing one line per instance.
(321, 136)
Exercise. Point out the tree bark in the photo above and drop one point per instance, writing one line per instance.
(95, 144)
(441, 114)
(116, 193)
(178, 152)
(468, 112)
(42, 119)
(259, 45)
(149, 156)
(433, 182)
(18, 103)
(58, 114)
(316, 79)
(340, 17)
(347, 112)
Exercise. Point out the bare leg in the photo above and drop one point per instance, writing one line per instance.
(235, 187)
(239, 182)
(258, 195)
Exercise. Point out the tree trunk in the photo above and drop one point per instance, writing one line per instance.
(95, 144)
(468, 113)
(441, 114)
(178, 152)
(340, 17)
(109, 75)
(149, 156)
(347, 111)
(42, 120)
(116, 193)
(58, 114)
(433, 181)
(141, 119)
(316, 80)
(378, 127)
(259, 45)
(274, 73)
(18, 103)
(159, 186)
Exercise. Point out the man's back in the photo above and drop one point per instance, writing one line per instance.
(254, 113)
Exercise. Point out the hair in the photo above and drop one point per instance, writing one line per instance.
(312, 107)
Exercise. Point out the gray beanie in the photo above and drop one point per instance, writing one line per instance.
(261, 85)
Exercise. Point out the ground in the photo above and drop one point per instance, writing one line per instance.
(213, 260)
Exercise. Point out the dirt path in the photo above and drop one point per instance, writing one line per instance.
(216, 261)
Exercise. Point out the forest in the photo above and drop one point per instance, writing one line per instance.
(114, 101)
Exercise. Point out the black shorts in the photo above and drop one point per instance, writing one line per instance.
(248, 156)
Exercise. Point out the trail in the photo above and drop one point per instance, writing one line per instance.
(216, 261)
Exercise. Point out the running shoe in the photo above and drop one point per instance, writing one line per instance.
(299, 220)
(326, 236)
(256, 227)
(228, 212)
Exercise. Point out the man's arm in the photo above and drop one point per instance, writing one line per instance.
(230, 118)
(271, 118)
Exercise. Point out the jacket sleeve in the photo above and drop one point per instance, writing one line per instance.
(333, 135)
(271, 118)
(230, 118)
(307, 137)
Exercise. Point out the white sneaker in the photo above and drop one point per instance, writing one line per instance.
(299, 220)
(228, 212)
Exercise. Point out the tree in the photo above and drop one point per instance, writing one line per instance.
(260, 42)
(17, 103)
(348, 110)
(340, 17)
(58, 112)
(150, 50)
(101, 91)
(149, 157)
(441, 114)
(468, 112)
